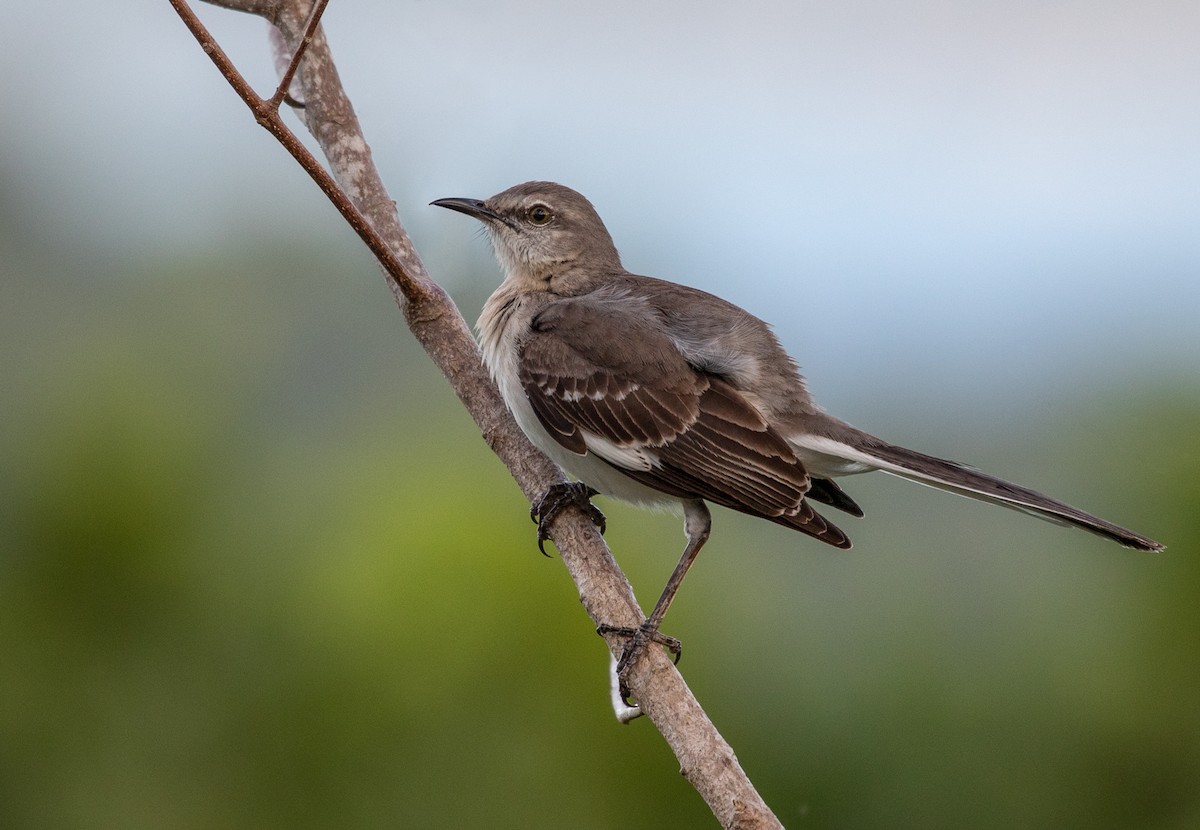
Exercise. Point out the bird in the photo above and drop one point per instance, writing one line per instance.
(663, 395)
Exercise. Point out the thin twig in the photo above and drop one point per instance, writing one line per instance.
(285, 80)
(266, 113)
(355, 189)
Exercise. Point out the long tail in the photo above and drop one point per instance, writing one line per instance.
(868, 452)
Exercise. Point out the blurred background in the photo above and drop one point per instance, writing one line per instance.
(257, 568)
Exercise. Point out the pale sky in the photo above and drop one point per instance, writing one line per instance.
(993, 192)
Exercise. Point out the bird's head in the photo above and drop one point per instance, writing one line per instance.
(544, 234)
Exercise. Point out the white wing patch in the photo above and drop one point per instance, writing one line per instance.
(630, 457)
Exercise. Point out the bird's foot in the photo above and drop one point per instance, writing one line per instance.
(639, 639)
(555, 499)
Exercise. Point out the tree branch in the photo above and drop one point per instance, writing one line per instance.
(357, 192)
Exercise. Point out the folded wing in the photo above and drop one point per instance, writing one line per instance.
(602, 378)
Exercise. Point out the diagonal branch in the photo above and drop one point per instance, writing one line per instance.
(357, 192)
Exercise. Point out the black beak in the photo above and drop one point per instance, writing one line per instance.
(471, 207)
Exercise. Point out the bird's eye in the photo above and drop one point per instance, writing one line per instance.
(539, 215)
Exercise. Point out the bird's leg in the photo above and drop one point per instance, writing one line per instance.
(696, 523)
(555, 499)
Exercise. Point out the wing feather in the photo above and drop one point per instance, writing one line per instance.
(613, 383)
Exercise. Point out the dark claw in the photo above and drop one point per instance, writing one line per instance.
(639, 638)
(555, 499)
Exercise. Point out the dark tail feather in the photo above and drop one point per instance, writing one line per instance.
(956, 478)
(826, 492)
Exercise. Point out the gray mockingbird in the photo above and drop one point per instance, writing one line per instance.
(656, 393)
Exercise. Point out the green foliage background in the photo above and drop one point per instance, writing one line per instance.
(257, 569)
